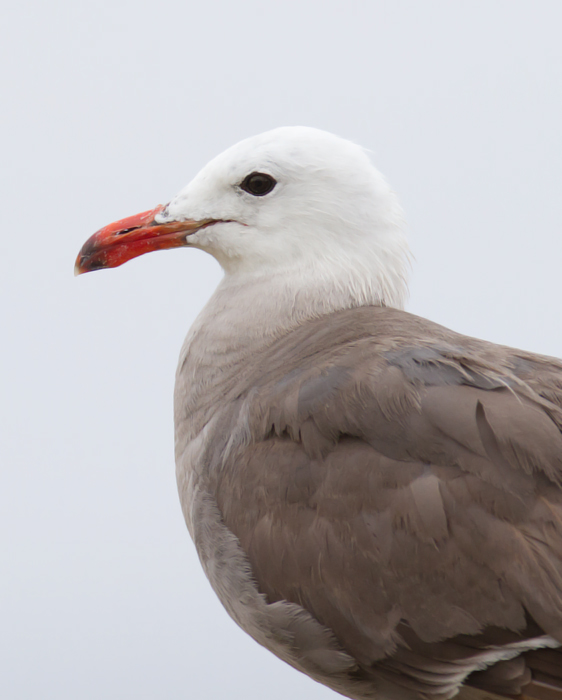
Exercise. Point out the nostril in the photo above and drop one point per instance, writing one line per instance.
(125, 230)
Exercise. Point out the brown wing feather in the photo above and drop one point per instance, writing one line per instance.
(402, 484)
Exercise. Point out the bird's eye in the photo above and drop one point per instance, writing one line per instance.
(258, 184)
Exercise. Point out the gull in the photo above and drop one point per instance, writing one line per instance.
(374, 498)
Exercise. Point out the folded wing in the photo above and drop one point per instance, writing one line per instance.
(402, 484)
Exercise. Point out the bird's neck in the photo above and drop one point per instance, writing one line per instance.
(245, 315)
(258, 301)
(249, 312)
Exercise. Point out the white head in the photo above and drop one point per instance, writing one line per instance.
(328, 218)
(329, 212)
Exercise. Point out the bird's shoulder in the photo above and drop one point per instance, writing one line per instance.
(349, 370)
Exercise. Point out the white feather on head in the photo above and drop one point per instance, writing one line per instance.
(330, 230)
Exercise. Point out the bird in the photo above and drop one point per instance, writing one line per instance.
(374, 498)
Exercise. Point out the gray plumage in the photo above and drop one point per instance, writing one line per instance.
(397, 483)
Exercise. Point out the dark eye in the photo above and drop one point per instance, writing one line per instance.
(258, 184)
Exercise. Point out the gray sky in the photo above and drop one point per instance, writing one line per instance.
(108, 109)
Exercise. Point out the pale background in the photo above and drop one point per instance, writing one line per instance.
(108, 108)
